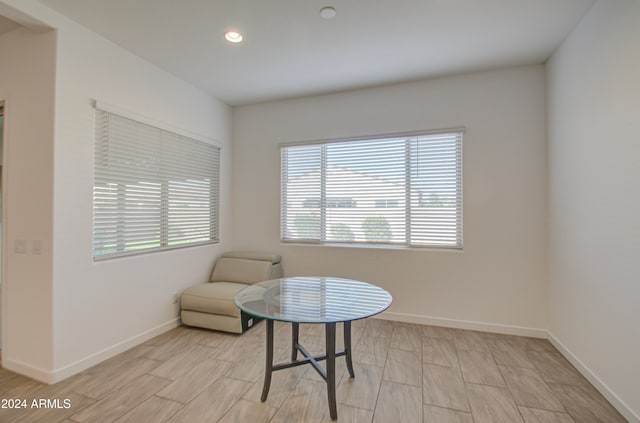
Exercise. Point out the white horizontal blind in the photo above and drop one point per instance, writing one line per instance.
(404, 190)
(153, 189)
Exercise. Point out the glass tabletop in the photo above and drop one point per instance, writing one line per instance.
(313, 299)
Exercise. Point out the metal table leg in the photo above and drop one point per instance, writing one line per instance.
(295, 331)
(268, 369)
(331, 369)
(347, 347)
(328, 373)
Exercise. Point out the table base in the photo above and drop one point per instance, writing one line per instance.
(328, 374)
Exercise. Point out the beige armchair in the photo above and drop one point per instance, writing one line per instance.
(210, 305)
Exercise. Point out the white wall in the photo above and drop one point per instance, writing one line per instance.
(594, 177)
(500, 277)
(102, 308)
(27, 84)
(98, 305)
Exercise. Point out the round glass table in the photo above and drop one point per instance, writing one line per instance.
(312, 299)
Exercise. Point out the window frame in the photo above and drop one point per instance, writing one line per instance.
(166, 181)
(458, 132)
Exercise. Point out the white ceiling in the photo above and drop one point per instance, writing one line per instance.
(289, 51)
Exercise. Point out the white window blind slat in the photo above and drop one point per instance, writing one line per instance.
(404, 190)
(153, 189)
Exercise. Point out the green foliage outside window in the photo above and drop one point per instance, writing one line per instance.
(341, 232)
(307, 226)
(376, 229)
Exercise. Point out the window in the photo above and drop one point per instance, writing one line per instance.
(401, 190)
(153, 189)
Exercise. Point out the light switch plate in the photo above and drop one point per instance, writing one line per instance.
(21, 246)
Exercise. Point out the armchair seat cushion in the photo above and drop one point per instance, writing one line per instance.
(213, 298)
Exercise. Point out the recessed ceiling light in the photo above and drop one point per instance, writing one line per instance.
(328, 12)
(233, 36)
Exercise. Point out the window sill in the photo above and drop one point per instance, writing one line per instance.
(135, 253)
(374, 247)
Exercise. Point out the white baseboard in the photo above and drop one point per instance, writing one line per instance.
(57, 375)
(28, 370)
(114, 350)
(464, 324)
(620, 405)
(51, 377)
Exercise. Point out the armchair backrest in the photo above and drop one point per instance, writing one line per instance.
(246, 267)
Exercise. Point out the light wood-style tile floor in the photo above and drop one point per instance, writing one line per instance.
(404, 373)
